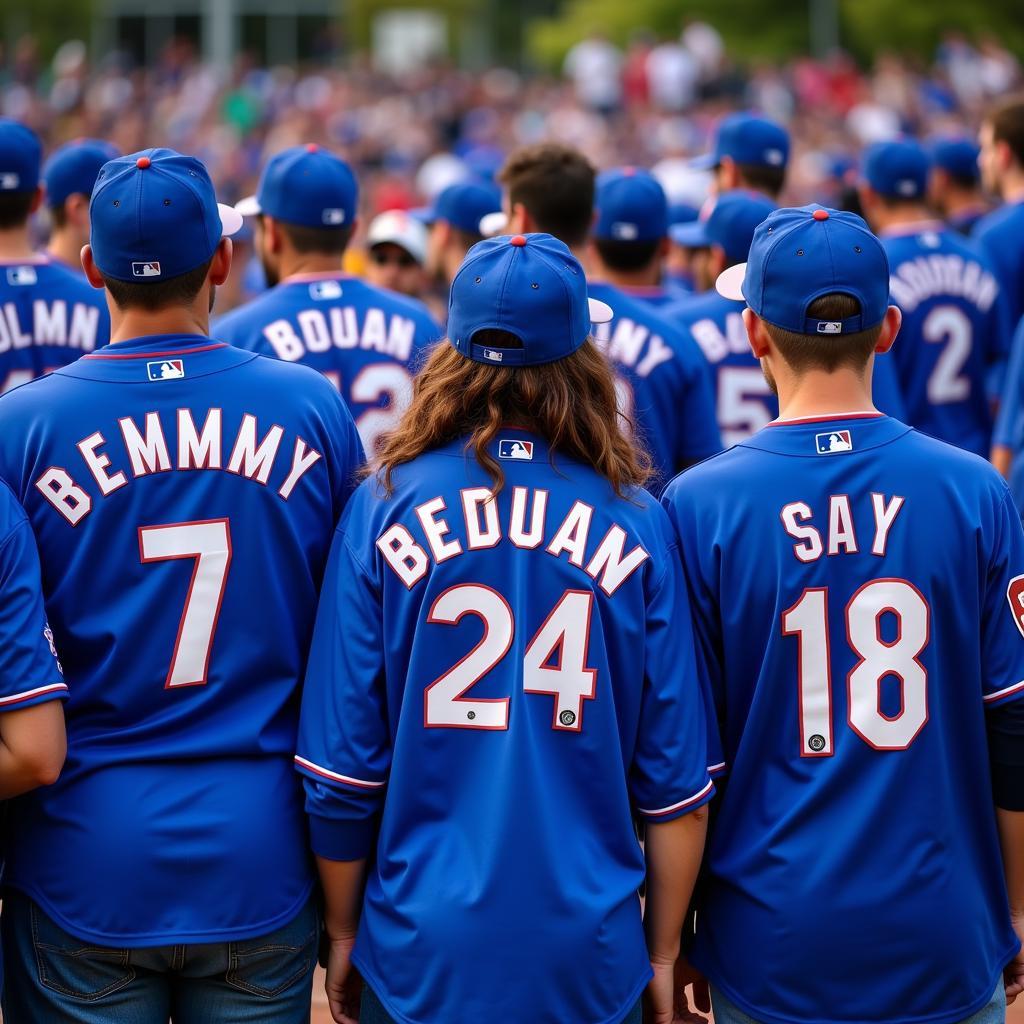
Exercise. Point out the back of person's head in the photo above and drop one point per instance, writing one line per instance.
(555, 185)
(631, 219)
(156, 228)
(749, 152)
(818, 280)
(519, 353)
(20, 158)
(72, 170)
(1006, 122)
(957, 159)
(896, 172)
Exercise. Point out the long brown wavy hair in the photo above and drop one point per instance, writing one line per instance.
(571, 403)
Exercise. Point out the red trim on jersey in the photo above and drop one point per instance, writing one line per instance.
(318, 275)
(999, 694)
(335, 776)
(156, 355)
(682, 803)
(41, 691)
(828, 419)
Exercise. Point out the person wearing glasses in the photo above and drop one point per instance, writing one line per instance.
(396, 245)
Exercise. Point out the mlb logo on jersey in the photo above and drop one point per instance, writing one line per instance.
(22, 275)
(830, 327)
(166, 369)
(334, 216)
(148, 268)
(509, 449)
(322, 291)
(832, 442)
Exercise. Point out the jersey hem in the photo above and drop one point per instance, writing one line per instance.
(37, 696)
(374, 982)
(945, 1017)
(146, 940)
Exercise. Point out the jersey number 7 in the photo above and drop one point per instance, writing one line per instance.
(208, 542)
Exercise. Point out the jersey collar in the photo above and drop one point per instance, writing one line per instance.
(136, 360)
(810, 437)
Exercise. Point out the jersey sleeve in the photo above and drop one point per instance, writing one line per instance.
(669, 776)
(886, 392)
(29, 670)
(342, 440)
(344, 745)
(239, 332)
(1010, 421)
(1003, 616)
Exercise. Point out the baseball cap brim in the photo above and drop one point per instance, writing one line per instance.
(730, 282)
(492, 224)
(248, 207)
(600, 312)
(705, 162)
(691, 236)
(230, 220)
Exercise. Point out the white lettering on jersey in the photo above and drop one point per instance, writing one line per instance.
(149, 454)
(486, 534)
(319, 330)
(408, 560)
(303, 459)
(810, 547)
(840, 526)
(842, 533)
(517, 532)
(608, 562)
(714, 344)
(50, 322)
(946, 274)
(85, 323)
(57, 487)
(572, 534)
(248, 459)
(11, 334)
(98, 464)
(283, 340)
(435, 530)
(885, 516)
(199, 451)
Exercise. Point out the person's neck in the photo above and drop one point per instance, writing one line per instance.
(1012, 187)
(957, 203)
(818, 393)
(889, 218)
(65, 248)
(15, 244)
(297, 263)
(126, 324)
(645, 278)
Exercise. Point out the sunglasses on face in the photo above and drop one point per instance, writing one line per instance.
(395, 259)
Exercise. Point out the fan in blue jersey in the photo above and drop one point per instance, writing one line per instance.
(365, 340)
(858, 592)
(1002, 173)
(954, 183)
(69, 177)
(502, 676)
(743, 401)
(664, 385)
(750, 152)
(455, 222)
(49, 315)
(956, 332)
(1008, 434)
(183, 494)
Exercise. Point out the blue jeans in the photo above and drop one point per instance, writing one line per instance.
(371, 1011)
(52, 976)
(727, 1012)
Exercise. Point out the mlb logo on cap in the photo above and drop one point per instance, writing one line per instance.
(150, 268)
(166, 369)
(334, 216)
(9, 182)
(830, 327)
(833, 441)
(510, 449)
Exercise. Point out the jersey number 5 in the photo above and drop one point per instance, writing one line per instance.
(208, 542)
(878, 659)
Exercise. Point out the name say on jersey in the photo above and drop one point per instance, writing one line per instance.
(523, 662)
(852, 672)
(365, 340)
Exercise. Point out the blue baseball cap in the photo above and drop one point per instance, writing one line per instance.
(729, 224)
(957, 156)
(682, 213)
(305, 185)
(72, 169)
(747, 139)
(154, 216)
(463, 205)
(797, 256)
(631, 206)
(20, 156)
(897, 169)
(529, 285)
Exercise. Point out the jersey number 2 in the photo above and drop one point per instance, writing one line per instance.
(208, 543)
(878, 659)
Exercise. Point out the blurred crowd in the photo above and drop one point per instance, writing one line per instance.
(653, 103)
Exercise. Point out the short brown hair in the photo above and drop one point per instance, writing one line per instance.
(828, 352)
(571, 403)
(763, 178)
(328, 241)
(1007, 121)
(556, 185)
(154, 295)
(14, 209)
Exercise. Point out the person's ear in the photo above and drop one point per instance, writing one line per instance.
(757, 336)
(868, 200)
(92, 272)
(37, 199)
(76, 210)
(728, 175)
(273, 236)
(890, 328)
(220, 266)
(1004, 156)
(519, 221)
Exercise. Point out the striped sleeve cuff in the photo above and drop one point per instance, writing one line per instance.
(682, 806)
(36, 696)
(322, 774)
(1004, 694)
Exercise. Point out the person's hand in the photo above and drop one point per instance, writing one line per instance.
(659, 999)
(343, 986)
(1013, 972)
(687, 975)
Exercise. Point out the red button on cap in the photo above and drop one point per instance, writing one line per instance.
(142, 163)
(517, 240)
(820, 215)
(311, 147)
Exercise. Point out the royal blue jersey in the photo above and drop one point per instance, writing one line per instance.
(656, 296)
(367, 341)
(999, 234)
(49, 316)
(854, 870)
(955, 332)
(665, 386)
(1009, 428)
(183, 494)
(508, 682)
